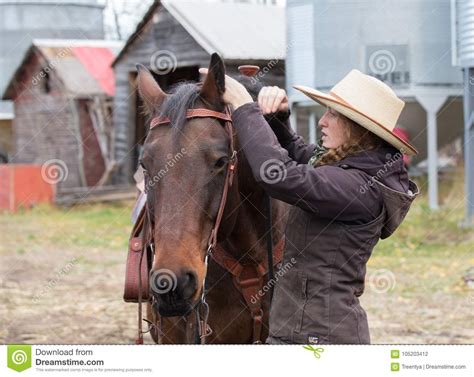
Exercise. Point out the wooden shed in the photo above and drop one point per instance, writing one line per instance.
(62, 93)
(174, 40)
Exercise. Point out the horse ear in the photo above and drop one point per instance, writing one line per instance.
(214, 85)
(149, 90)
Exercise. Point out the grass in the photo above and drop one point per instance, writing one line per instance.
(101, 226)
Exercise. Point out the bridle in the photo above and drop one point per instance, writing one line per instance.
(226, 117)
(202, 325)
(248, 279)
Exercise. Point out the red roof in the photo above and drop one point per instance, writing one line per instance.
(98, 62)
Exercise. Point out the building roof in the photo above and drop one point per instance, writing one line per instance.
(83, 66)
(236, 31)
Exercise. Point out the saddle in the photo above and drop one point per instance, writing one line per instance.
(136, 260)
(138, 264)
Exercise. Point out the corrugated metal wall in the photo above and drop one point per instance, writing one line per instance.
(465, 32)
(406, 42)
(300, 58)
(21, 21)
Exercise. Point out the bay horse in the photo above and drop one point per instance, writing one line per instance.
(183, 204)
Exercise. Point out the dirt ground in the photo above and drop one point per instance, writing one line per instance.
(83, 304)
(62, 274)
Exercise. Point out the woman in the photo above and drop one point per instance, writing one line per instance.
(345, 197)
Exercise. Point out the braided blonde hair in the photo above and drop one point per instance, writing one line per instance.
(358, 139)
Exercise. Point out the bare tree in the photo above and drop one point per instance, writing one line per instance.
(121, 17)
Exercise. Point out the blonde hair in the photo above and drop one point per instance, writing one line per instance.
(358, 139)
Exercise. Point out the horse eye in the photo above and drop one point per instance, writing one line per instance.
(221, 162)
(142, 165)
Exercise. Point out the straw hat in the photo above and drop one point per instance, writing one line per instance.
(368, 102)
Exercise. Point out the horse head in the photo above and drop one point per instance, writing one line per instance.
(185, 162)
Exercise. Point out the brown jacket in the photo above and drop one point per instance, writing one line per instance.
(339, 213)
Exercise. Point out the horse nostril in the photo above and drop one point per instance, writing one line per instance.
(173, 287)
(187, 284)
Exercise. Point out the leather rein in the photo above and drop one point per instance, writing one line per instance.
(248, 279)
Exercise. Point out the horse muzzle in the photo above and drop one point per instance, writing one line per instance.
(173, 292)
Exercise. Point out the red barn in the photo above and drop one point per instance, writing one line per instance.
(62, 93)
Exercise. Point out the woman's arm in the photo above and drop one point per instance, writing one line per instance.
(288, 139)
(330, 191)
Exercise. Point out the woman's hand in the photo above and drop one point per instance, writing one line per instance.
(235, 93)
(272, 99)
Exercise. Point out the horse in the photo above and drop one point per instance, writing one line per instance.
(191, 157)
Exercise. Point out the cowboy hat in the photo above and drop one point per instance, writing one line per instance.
(368, 102)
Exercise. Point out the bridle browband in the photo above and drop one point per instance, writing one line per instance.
(194, 113)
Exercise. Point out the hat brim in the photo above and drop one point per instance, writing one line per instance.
(358, 117)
